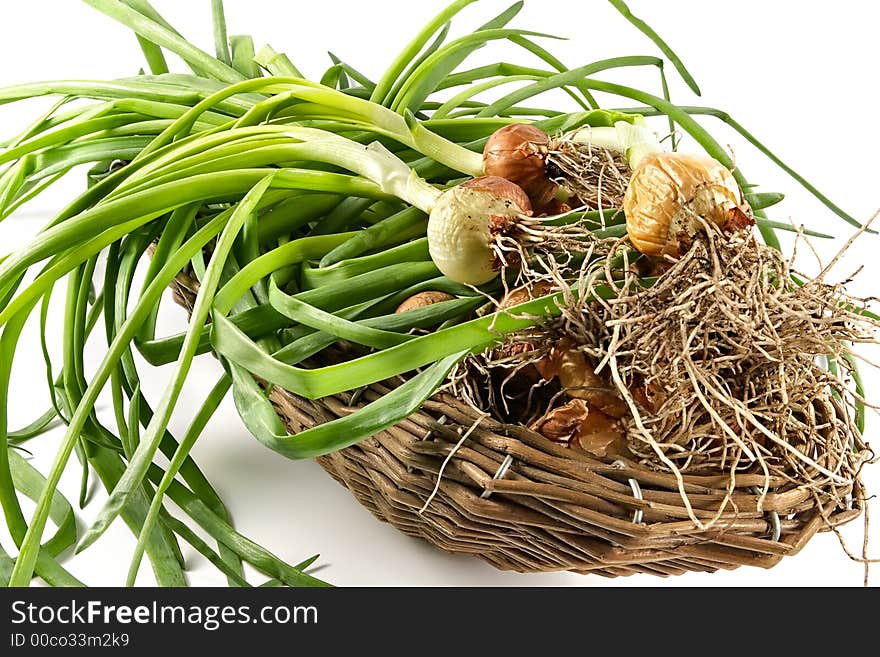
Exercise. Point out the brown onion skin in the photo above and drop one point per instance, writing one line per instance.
(502, 188)
(660, 188)
(562, 423)
(525, 293)
(422, 299)
(554, 207)
(517, 153)
(601, 435)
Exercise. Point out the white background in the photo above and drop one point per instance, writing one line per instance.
(801, 76)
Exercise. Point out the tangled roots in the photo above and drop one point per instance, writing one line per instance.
(728, 361)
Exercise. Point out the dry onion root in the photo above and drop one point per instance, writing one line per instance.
(733, 343)
(718, 367)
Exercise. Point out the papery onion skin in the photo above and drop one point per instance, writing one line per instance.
(517, 153)
(578, 380)
(594, 431)
(464, 222)
(422, 299)
(667, 193)
(562, 423)
(600, 434)
(502, 188)
(525, 293)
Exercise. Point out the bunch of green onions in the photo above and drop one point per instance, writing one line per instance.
(301, 207)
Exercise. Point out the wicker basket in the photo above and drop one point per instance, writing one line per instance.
(521, 502)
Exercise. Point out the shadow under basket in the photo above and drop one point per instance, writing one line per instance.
(521, 502)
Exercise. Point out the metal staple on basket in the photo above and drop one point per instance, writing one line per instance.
(499, 474)
(775, 524)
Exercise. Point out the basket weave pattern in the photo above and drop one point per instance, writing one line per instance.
(521, 502)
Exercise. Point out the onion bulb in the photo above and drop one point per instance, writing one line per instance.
(670, 193)
(466, 220)
(423, 299)
(525, 293)
(517, 153)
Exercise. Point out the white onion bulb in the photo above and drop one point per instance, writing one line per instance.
(464, 223)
